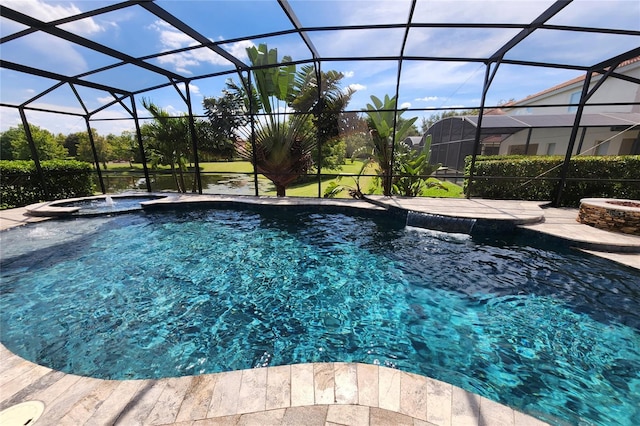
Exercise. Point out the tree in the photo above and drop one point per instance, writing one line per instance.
(169, 141)
(16, 147)
(226, 115)
(412, 170)
(283, 144)
(123, 147)
(426, 123)
(326, 102)
(381, 117)
(85, 152)
(71, 142)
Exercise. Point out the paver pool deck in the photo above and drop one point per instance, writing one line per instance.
(302, 394)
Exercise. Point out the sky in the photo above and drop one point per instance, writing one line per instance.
(425, 86)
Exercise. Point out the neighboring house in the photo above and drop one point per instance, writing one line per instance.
(541, 124)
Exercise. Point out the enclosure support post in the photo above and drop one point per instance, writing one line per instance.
(488, 78)
(254, 157)
(557, 199)
(34, 152)
(194, 139)
(95, 154)
(582, 135)
(140, 145)
(584, 97)
(526, 146)
(319, 113)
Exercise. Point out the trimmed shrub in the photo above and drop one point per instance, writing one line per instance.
(537, 178)
(20, 184)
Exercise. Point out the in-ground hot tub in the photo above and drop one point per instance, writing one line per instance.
(611, 214)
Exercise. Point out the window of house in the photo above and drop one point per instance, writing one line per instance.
(575, 98)
(551, 148)
(522, 149)
(626, 147)
(602, 147)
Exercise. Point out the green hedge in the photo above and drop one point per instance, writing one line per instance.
(20, 184)
(536, 178)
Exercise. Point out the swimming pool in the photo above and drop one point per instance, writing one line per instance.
(158, 294)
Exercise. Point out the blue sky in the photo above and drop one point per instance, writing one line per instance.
(137, 32)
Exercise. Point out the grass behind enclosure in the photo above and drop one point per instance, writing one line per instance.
(368, 182)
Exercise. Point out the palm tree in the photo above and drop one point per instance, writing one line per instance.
(326, 102)
(381, 120)
(171, 141)
(283, 150)
(284, 142)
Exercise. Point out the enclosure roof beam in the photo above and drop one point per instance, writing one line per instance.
(186, 29)
(535, 24)
(89, 44)
(69, 19)
(284, 4)
(59, 77)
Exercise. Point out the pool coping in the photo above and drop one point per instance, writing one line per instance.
(316, 393)
(403, 398)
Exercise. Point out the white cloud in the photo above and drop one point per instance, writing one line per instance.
(46, 11)
(193, 89)
(172, 39)
(105, 100)
(348, 74)
(428, 99)
(355, 87)
(405, 105)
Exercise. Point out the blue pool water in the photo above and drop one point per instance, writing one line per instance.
(553, 333)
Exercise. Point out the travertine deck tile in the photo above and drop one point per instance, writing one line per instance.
(367, 385)
(9, 361)
(525, 420)
(21, 368)
(58, 388)
(413, 395)
(197, 399)
(353, 415)
(29, 390)
(82, 411)
(224, 401)
(278, 387)
(302, 387)
(271, 417)
(324, 383)
(169, 401)
(439, 395)
(140, 406)
(253, 391)
(382, 417)
(465, 409)
(113, 406)
(218, 421)
(309, 416)
(346, 382)
(25, 379)
(389, 389)
(492, 413)
(61, 405)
